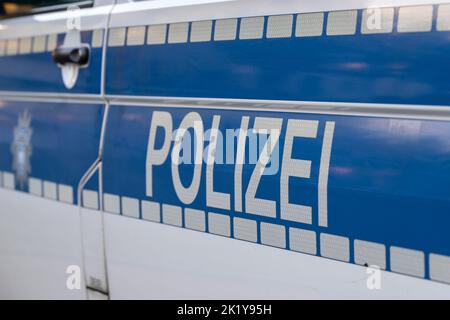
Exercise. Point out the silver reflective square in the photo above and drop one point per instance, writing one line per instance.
(251, 28)
(309, 24)
(415, 19)
(341, 23)
(201, 31)
(279, 26)
(377, 20)
(225, 29)
(178, 32)
(156, 34)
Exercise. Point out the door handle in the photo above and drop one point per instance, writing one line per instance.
(78, 56)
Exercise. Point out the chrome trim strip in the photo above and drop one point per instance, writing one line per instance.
(54, 22)
(51, 97)
(426, 112)
(332, 108)
(104, 55)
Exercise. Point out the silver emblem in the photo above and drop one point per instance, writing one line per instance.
(21, 149)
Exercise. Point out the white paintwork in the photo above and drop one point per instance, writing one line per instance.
(39, 239)
(173, 11)
(156, 261)
(54, 22)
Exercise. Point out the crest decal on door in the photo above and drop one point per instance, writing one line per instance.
(21, 149)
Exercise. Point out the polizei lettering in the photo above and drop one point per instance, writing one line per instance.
(260, 161)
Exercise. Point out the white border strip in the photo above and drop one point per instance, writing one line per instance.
(332, 246)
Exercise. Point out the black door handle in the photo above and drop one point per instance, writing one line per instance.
(78, 56)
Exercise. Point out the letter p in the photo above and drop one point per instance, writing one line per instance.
(157, 156)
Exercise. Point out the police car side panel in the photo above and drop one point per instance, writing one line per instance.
(374, 193)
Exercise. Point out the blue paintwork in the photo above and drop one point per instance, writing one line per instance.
(36, 72)
(403, 68)
(388, 181)
(65, 139)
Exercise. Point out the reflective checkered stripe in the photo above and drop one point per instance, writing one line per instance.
(337, 247)
(40, 188)
(395, 257)
(300, 25)
(47, 43)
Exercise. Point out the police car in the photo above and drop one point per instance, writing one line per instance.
(225, 149)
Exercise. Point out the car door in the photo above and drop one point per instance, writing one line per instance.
(353, 122)
(51, 113)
